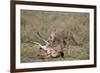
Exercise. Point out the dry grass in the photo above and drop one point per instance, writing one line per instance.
(44, 22)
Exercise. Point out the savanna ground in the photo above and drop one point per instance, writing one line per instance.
(44, 22)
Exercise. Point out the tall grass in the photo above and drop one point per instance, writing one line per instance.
(44, 22)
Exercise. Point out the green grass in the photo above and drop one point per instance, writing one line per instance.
(29, 53)
(44, 22)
